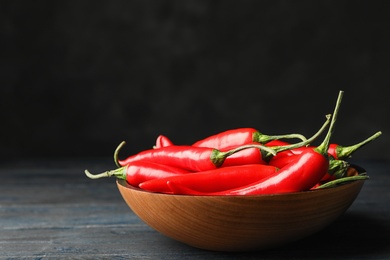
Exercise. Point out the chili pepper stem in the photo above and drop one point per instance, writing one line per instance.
(347, 151)
(116, 160)
(119, 173)
(324, 146)
(219, 157)
(278, 149)
(261, 138)
(342, 180)
(337, 168)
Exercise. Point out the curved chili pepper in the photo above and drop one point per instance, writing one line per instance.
(246, 156)
(240, 136)
(301, 174)
(162, 141)
(220, 179)
(186, 157)
(336, 167)
(140, 171)
(335, 150)
(283, 158)
(253, 155)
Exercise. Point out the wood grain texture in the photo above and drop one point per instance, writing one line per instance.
(240, 223)
(49, 209)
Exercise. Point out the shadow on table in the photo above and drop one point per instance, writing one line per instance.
(352, 236)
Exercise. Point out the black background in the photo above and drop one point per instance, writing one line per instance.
(78, 77)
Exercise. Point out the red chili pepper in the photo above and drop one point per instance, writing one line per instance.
(140, 171)
(247, 156)
(300, 175)
(253, 155)
(186, 157)
(336, 167)
(240, 136)
(335, 150)
(205, 158)
(220, 179)
(162, 141)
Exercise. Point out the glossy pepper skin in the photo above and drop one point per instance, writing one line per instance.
(240, 136)
(140, 171)
(214, 180)
(302, 174)
(280, 162)
(186, 157)
(247, 156)
(336, 167)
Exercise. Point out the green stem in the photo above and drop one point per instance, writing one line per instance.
(324, 146)
(243, 147)
(342, 180)
(344, 152)
(337, 168)
(278, 149)
(263, 139)
(116, 160)
(119, 173)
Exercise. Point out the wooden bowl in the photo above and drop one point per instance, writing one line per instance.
(240, 223)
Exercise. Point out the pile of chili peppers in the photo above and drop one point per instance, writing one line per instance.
(241, 162)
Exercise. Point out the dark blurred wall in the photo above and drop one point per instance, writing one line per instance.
(78, 77)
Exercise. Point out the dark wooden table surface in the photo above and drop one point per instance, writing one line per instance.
(50, 210)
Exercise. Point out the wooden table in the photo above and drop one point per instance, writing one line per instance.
(49, 209)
